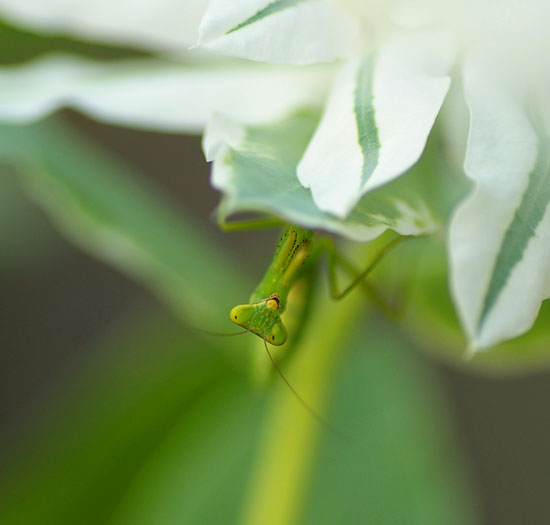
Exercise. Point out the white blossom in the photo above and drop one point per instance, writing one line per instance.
(383, 72)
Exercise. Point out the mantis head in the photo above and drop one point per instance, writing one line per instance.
(262, 318)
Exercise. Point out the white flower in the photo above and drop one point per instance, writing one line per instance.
(383, 105)
(388, 66)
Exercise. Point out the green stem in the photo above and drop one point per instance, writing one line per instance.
(291, 434)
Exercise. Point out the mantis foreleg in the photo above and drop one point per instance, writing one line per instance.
(336, 258)
(252, 224)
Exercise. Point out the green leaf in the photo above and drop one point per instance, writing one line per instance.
(151, 430)
(20, 45)
(143, 385)
(403, 464)
(206, 457)
(33, 240)
(400, 463)
(255, 167)
(120, 219)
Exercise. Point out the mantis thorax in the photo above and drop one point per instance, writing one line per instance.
(262, 316)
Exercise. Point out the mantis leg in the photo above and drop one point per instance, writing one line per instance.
(302, 305)
(252, 224)
(359, 277)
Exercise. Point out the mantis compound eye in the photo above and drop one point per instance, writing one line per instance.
(242, 314)
(273, 302)
(277, 336)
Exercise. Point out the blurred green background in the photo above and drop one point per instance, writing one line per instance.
(116, 409)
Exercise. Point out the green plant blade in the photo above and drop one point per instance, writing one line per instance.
(152, 430)
(120, 219)
(400, 463)
(117, 409)
(403, 464)
(199, 472)
(20, 45)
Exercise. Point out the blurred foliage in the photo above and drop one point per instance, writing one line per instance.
(136, 389)
(104, 209)
(430, 319)
(33, 240)
(19, 45)
(157, 425)
(162, 424)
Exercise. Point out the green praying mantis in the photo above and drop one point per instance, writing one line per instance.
(295, 257)
(298, 250)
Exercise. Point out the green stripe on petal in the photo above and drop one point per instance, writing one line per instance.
(499, 237)
(522, 229)
(281, 31)
(270, 9)
(367, 133)
(377, 120)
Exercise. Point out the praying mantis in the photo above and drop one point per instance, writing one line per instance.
(296, 255)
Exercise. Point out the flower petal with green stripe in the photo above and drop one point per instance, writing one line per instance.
(377, 120)
(255, 168)
(499, 242)
(280, 31)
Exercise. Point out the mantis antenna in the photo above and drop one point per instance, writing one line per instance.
(219, 334)
(312, 412)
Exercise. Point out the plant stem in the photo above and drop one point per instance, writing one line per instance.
(288, 444)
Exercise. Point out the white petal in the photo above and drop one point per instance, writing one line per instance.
(159, 24)
(499, 241)
(279, 31)
(377, 121)
(158, 95)
(255, 168)
(221, 134)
